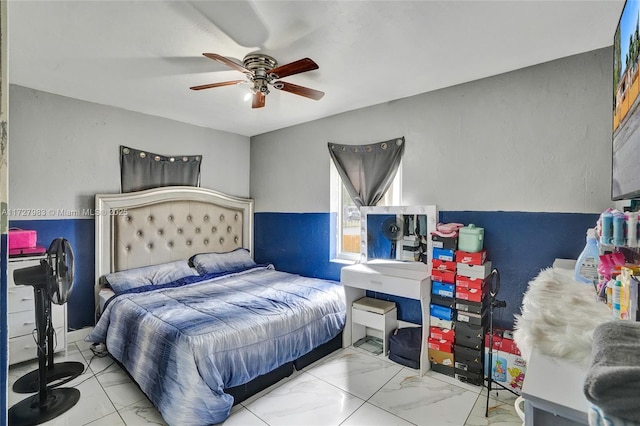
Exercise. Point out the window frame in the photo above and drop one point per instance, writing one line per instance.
(393, 197)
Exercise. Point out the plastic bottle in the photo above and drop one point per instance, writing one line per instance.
(632, 229)
(606, 219)
(619, 222)
(587, 265)
(617, 290)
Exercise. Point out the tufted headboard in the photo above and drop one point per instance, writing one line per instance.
(165, 224)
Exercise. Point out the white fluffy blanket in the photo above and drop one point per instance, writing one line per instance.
(558, 316)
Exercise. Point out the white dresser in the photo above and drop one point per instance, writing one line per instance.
(406, 279)
(22, 319)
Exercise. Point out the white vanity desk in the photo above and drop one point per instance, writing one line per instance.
(406, 279)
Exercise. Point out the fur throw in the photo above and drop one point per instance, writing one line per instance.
(558, 317)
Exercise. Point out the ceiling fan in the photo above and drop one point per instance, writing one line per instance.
(263, 71)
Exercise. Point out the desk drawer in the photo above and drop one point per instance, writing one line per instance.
(398, 286)
(20, 299)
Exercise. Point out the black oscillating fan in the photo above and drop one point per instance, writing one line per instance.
(392, 229)
(52, 282)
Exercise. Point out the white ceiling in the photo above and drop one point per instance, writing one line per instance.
(144, 55)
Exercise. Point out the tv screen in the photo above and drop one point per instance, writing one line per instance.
(625, 179)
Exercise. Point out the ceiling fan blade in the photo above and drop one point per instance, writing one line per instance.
(227, 62)
(298, 90)
(258, 100)
(212, 85)
(302, 65)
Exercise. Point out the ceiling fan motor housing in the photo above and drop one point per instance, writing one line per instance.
(260, 65)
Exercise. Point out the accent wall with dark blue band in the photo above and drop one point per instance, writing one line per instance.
(519, 245)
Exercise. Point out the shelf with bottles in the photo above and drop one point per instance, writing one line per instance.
(616, 229)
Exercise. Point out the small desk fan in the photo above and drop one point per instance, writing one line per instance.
(393, 230)
(52, 282)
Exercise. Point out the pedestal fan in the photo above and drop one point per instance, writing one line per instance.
(392, 229)
(52, 282)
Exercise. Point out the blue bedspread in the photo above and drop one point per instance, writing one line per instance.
(184, 345)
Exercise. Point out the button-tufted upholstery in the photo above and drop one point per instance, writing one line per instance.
(174, 230)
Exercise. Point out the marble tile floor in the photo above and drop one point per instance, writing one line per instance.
(349, 388)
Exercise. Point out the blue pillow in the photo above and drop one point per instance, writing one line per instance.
(231, 261)
(149, 275)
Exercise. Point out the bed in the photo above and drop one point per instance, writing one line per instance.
(196, 322)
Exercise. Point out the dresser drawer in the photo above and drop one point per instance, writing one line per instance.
(23, 323)
(20, 299)
(24, 348)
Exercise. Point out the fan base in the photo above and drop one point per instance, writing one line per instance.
(57, 375)
(30, 411)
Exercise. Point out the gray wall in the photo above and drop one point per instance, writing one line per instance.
(536, 140)
(64, 151)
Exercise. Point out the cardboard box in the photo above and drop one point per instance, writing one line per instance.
(443, 369)
(443, 289)
(474, 271)
(441, 357)
(477, 258)
(449, 302)
(507, 369)
(444, 264)
(442, 323)
(471, 318)
(448, 243)
(469, 377)
(470, 336)
(470, 294)
(443, 254)
(468, 282)
(472, 307)
(469, 359)
(441, 312)
(442, 333)
(440, 345)
(502, 343)
(443, 275)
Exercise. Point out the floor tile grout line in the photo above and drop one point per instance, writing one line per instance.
(374, 394)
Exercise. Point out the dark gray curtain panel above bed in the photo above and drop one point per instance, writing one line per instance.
(144, 170)
(367, 171)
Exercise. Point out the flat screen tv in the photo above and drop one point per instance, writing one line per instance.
(625, 167)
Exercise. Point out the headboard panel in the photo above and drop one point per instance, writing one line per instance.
(173, 230)
(170, 223)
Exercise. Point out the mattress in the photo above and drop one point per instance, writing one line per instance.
(185, 344)
(103, 296)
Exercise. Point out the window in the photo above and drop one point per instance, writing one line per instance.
(347, 231)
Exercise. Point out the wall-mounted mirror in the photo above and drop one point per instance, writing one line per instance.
(401, 233)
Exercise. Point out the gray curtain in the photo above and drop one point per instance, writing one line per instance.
(367, 171)
(144, 170)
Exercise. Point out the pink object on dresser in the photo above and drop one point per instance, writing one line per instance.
(21, 239)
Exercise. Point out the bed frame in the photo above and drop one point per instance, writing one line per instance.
(172, 223)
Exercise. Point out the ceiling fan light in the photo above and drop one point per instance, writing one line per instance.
(247, 96)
